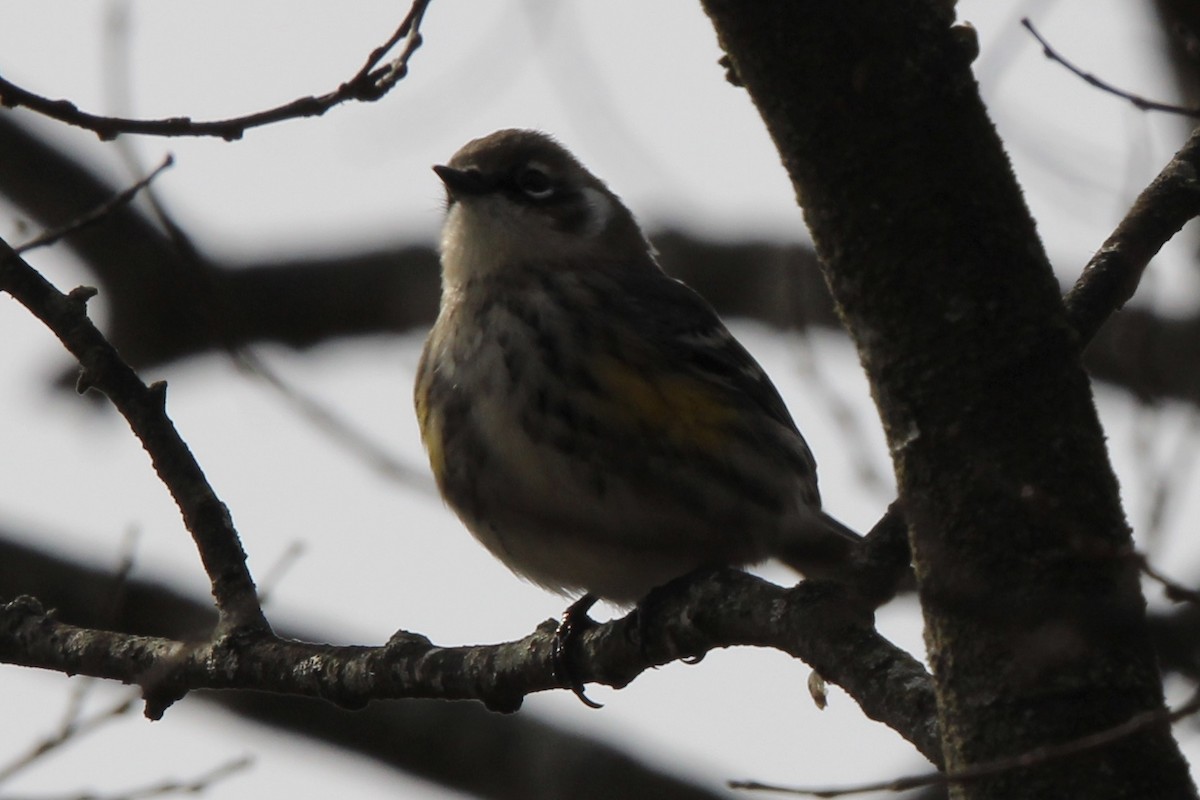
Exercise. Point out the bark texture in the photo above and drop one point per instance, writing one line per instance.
(1034, 615)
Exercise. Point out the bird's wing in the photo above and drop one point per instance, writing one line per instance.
(688, 334)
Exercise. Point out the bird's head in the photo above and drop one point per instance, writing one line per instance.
(518, 196)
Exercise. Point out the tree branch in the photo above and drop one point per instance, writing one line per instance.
(422, 738)
(243, 653)
(817, 627)
(1113, 274)
(685, 619)
(938, 272)
(205, 516)
(370, 83)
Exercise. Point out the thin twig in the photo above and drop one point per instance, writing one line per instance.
(120, 580)
(336, 428)
(213, 311)
(851, 434)
(1166, 482)
(1114, 272)
(370, 83)
(1175, 591)
(274, 574)
(76, 698)
(1138, 101)
(97, 214)
(193, 786)
(1171, 200)
(163, 788)
(1032, 758)
(83, 685)
(73, 729)
(213, 308)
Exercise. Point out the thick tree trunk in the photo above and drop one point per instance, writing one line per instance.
(1034, 615)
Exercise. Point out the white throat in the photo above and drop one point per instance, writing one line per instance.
(485, 234)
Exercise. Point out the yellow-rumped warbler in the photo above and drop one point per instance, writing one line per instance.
(590, 419)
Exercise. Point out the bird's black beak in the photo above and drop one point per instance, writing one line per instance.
(463, 182)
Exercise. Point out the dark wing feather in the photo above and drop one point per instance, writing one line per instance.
(692, 336)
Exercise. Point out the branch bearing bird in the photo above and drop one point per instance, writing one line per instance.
(590, 419)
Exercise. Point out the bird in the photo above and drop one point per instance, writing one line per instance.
(590, 419)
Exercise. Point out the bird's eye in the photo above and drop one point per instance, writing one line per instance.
(535, 183)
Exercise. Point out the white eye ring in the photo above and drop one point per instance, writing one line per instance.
(535, 183)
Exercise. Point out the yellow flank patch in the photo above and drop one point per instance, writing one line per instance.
(681, 408)
(430, 423)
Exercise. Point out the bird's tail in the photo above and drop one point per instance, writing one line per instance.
(820, 547)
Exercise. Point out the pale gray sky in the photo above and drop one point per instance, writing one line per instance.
(633, 88)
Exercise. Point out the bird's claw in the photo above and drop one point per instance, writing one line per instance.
(575, 621)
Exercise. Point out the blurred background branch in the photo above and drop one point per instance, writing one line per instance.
(162, 308)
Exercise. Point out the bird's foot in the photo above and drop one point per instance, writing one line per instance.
(575, 621)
